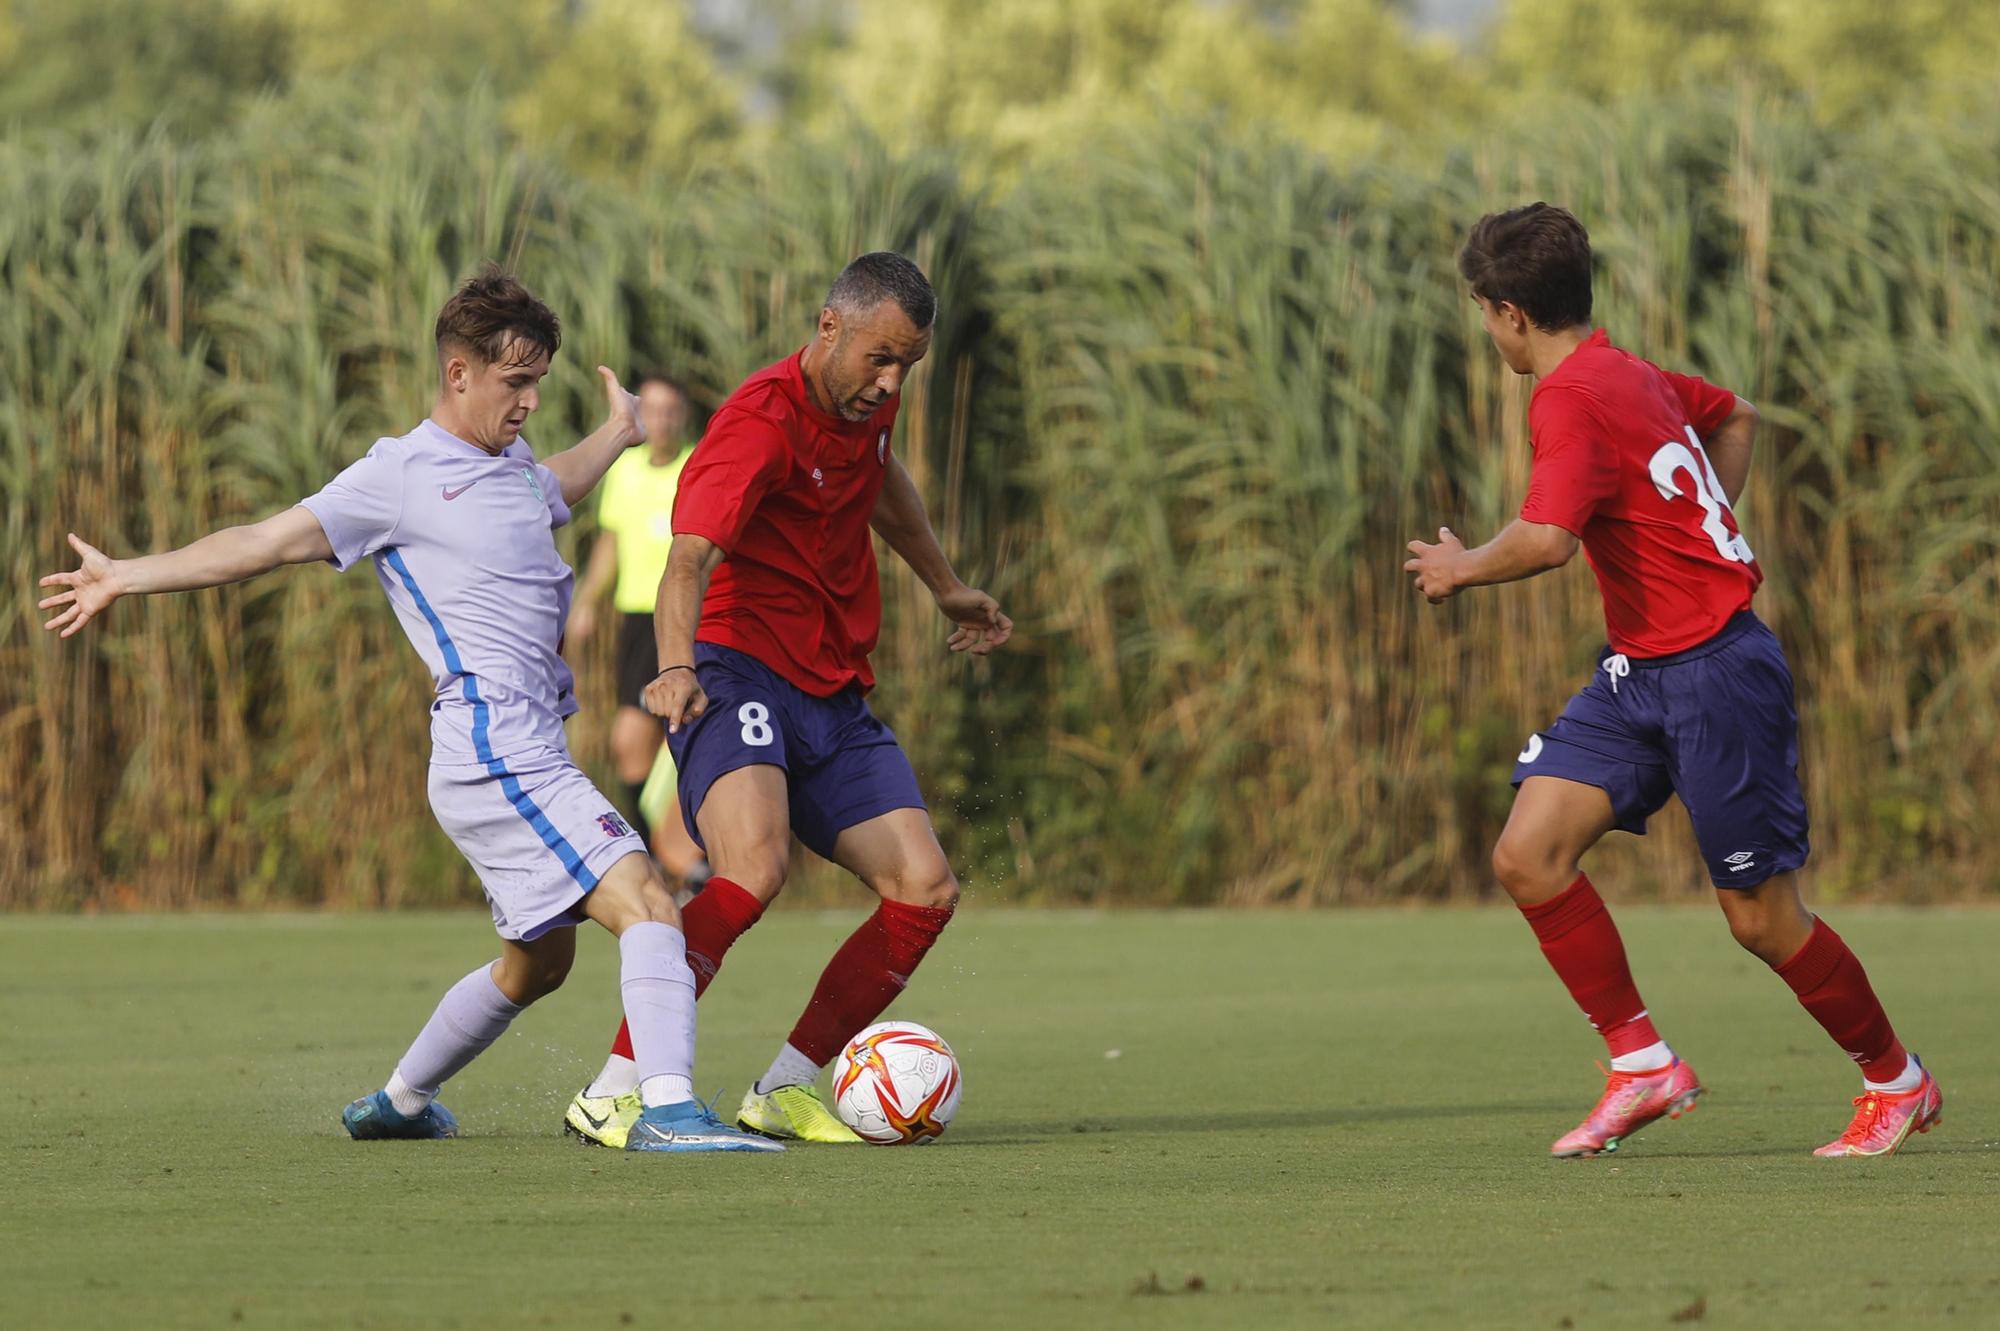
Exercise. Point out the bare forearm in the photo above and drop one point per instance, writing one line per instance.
(580, 468)
(1521, 550)
(230, 555)
(600, 572)
(677, 610)
(901, 521)
(1730, 447)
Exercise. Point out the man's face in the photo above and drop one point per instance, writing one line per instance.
(869, 354)
(495, 399)
(663, 411)
(1508, 328)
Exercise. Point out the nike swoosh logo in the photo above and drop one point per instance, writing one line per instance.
(593, 1119)
(451, 494)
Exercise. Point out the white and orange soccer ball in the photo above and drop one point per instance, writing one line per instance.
(897, 1083)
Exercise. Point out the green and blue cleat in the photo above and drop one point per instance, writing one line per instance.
(373, 1118)
(690, 1126)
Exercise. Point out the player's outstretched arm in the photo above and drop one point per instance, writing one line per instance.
(230, 555)
(598, 576)
(675, 695)
(1521, 550)
(901, 521)
(582, 467)
(1729, 447)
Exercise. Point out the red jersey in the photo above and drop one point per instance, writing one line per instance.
(1619, 463)
(787, 492)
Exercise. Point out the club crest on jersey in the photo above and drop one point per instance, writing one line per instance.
(882, 448)
(528, 475)
(614, 826)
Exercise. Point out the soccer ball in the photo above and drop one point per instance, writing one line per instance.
(897, 1083)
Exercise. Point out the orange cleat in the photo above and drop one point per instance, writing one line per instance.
(1631, 1100)
(1883, 1120)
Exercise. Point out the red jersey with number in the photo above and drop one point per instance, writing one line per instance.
(787, 492)
(1619, 463)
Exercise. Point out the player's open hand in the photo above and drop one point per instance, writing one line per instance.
(622, 407)
(1435, 566)
(92, 588)
(676, 697)
(981, 626)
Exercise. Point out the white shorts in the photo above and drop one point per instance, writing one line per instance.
(537, 833)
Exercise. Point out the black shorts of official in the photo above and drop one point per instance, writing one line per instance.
(638, 659)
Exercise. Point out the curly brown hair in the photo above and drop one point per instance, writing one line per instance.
(1535, 258)
(492, 315)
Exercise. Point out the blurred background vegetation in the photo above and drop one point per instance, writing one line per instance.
(1203, 368)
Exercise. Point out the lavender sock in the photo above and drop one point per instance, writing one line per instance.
(658, 989)
(472, 1014)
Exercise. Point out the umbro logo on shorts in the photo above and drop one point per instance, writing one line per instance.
(1740, 861)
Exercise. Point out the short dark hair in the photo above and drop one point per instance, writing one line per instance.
(1535, 258)
(491, 311)
(655, 375)
(879, 276)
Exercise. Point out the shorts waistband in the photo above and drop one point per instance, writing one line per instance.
(1739, 624)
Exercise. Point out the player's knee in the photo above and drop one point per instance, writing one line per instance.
(1760, 935)
(932, 885)
(760, 872)
(1529, 872)
(633, 896)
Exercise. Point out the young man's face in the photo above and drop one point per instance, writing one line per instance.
(868, 356)
(495, 399)
(1508, 328)
(664, 412)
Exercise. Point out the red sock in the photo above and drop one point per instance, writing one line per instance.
(865, 976)
(1583, 945)
(1830, 983)
(720, 914)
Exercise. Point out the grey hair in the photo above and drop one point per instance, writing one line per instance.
(879, 276)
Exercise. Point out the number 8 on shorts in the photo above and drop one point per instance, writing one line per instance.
(756, 719)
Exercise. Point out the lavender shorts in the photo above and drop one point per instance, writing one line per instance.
(535, 830)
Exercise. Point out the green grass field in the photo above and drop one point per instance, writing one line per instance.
(1194, 1119)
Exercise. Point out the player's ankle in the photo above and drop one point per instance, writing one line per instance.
(1652, 1058)
(619, 1076)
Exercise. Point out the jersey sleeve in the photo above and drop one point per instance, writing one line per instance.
(1706, 405)
(1575, 468)
(743, 455)
(360, 509)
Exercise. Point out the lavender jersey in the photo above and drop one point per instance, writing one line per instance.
(463, 543)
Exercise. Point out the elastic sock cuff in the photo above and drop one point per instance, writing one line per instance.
(1564, 911)
(644, 954)
(1814, 963)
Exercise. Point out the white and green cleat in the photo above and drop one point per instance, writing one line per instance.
(793, 1114)
(602, 1120)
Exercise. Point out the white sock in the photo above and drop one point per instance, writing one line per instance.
(1653, 1057)
(789, 1068)
(658, 989)
(620, 1076)
(1913, 1077)
(669, 1088)
(408, 1100)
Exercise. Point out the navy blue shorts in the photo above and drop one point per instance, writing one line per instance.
(842, 766)
(1715, 724)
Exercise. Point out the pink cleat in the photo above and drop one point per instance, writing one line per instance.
(1631, 1100)
(1884, 1121)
